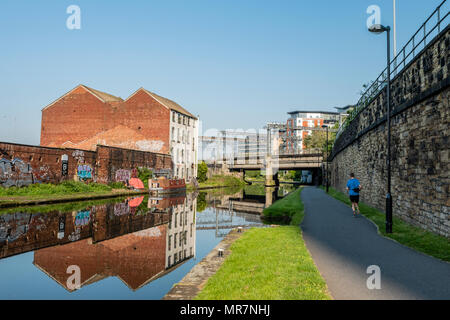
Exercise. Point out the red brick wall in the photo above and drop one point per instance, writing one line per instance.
(80, 116)
(23, 165)
(76, 117)
(147, 116)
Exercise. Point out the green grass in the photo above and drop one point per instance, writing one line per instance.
(286, 210)
(67, 187)
(403, 232)
(267, 264)
(222, 181)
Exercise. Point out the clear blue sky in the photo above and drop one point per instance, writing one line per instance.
(237, 64)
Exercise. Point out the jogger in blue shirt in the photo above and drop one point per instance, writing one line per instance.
(353, 188)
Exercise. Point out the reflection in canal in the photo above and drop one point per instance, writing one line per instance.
(148, 244)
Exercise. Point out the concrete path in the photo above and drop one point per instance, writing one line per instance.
(344, 247)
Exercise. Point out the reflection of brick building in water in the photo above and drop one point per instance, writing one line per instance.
(23, 232)
(135, 258)
(129, 240)
(181, 231)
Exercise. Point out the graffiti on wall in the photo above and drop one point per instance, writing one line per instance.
(44, 174)
(84, 171)
(123, 175)
(78, 155)
(15, 173)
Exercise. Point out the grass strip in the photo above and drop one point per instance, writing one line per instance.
(288, 210)
(405, 233)
(267, 264)
(38, 190)
(219, 181)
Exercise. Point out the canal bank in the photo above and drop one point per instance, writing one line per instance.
(10, 202)
(189, 287)
(263, 263)
(218, 181)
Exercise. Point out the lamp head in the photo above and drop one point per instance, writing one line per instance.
(378, 28)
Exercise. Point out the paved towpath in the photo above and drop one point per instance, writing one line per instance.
(344, 247)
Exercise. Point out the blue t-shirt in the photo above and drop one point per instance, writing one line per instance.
(352, 184)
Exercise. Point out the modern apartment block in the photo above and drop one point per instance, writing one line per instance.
(84, 118)
(299, 124)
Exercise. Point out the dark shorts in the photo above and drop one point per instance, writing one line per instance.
(354, 199)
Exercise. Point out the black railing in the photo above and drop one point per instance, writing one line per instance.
(430, 28)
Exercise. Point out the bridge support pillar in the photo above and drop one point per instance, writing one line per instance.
(270, 196)
(271, 177)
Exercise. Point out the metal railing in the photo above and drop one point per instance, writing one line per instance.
(404, 56)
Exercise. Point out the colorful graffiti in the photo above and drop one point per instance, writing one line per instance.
(84, 171)
(15, 173)
(123, 175)
(82, 218)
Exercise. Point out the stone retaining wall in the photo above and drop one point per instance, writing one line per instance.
(420, 124)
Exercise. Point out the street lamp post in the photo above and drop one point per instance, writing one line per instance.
(326, 165)
(380, 29)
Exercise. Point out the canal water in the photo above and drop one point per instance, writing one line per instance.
(124, 248)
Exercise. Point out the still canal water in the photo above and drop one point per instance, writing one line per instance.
(134, 248)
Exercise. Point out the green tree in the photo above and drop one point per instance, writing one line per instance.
(318, 140)
(202, 170)
(144, 174)
(201, 202)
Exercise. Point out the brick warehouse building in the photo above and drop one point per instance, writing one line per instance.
(84, 118)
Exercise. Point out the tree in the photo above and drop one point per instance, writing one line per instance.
(202, 170)
(318, 140)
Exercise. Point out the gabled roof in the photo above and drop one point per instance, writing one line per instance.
(109, 98)
(103, 96)
(171, 105)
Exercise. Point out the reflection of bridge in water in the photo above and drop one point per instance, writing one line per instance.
(224, 215)
(238, 210)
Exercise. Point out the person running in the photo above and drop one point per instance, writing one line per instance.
(353, 188)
